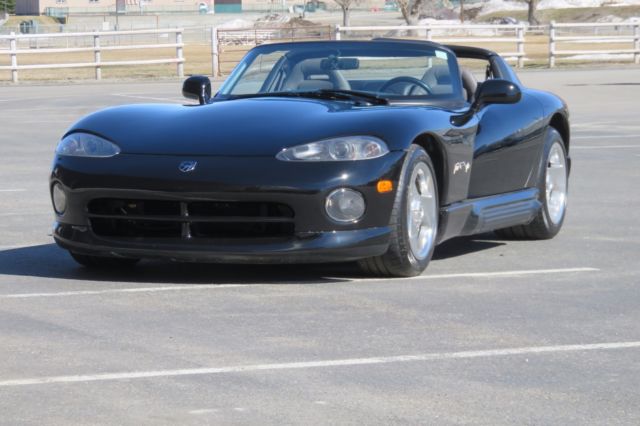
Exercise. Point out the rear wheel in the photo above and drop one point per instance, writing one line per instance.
(553, 195)
(414, 220)
(98, 262)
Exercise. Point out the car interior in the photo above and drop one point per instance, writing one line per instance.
(310, 74)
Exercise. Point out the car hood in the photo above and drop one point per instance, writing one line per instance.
(245, 127)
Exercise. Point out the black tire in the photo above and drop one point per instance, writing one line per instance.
(399, 260)
(542, 227)
(98, 262)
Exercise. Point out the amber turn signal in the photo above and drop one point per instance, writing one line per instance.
(384, 186)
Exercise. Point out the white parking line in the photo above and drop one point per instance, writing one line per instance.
(204, 411)
(617, 136)
(23, 214)
(605, 147)
(122, 290)
(192, 287)
(150, 98)
(489, 274)
(13, 190)
(23, 246)
(437, 356)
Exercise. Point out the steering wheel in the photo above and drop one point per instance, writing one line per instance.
(409, 81)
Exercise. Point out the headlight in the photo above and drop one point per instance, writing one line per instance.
(86, 145)
(339, 149)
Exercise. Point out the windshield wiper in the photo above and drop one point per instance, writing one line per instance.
(353, 94)
(337, 94)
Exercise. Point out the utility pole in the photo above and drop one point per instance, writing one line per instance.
(462, 11)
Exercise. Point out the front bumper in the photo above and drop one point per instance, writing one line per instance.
(338, 246)
(302, 186)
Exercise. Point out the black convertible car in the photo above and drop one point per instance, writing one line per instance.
(369, 151)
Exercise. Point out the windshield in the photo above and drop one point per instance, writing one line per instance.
(386, 69)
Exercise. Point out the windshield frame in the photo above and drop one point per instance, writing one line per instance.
(397, 45)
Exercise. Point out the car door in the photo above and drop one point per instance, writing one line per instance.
(507, 147)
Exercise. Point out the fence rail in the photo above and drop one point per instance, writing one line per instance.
(460, 33)
(96, 48)
(632, 37)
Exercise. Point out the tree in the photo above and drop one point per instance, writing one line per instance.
(410, 10)
(531, 14)
(346, 5)
(7, 6)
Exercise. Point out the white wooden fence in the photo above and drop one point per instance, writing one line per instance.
(14, 51)
(631, 36)
(610, 35)
(460, 33)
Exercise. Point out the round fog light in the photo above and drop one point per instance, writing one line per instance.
(345, 205)
(59, 198)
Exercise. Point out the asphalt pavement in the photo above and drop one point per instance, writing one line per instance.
(495, 331)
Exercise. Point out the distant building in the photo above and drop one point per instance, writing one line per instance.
(65, 7)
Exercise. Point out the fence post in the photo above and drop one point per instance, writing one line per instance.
(179, 54)
(520, 45)
(552, 44)
(429, 33)
(338, 35)
(636, 42)
(215, 58)
(13, 46)
(97, 55)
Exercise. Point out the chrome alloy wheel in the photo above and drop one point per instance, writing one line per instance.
(556, 184)
(422, 210)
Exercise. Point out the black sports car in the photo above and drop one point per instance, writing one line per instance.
(373, 151)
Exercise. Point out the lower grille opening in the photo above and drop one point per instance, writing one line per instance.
(241, 230)
(124, 207)
(136, 228)
(162, 219)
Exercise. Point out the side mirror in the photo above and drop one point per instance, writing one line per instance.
(496, 92)
(197, 87)
(490, 92)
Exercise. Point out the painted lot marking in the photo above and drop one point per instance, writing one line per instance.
(122, 290)
(605, 147)
(616, 136)
(35, 214)
(192, 287)
(489, 274)
(437, 356)
(13, 190)
(150, 98)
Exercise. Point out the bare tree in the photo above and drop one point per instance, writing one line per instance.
(346, 5)
(410, 10)
(531, 14)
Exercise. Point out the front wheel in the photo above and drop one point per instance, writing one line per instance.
(553, 195)
(414, 220)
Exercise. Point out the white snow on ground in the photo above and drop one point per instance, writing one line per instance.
(491, 6)
(565, 4)
(236, 24)
(501, 5)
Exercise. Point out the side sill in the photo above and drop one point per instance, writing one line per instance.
(486, 214)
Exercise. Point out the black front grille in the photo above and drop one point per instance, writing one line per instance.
(111, 217)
